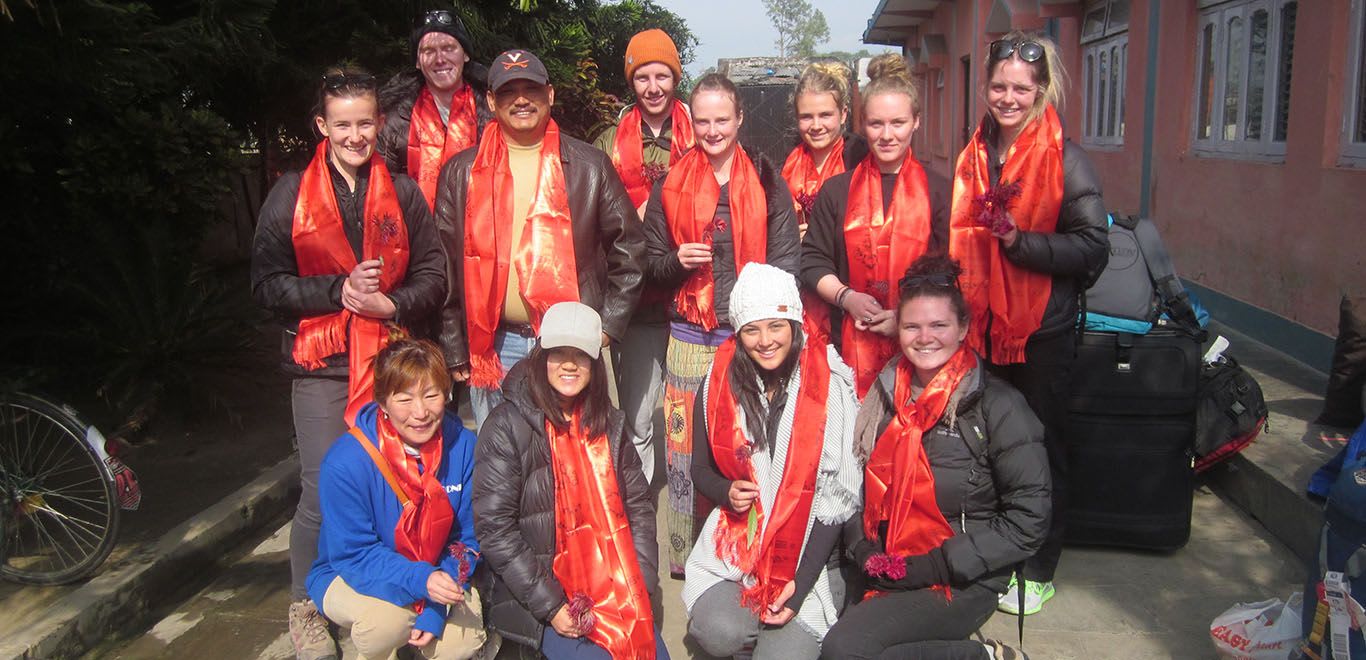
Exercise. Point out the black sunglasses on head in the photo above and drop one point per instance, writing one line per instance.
(937, 279)
(1029, 51)
(339, 80)
(438, 17)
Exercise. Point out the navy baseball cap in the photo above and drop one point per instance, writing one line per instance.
(516, 64)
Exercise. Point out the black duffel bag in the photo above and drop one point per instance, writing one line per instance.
(1231, 412)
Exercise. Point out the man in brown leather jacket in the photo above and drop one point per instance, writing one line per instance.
(530, 218)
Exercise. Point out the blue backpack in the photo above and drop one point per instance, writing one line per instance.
(1342, 550)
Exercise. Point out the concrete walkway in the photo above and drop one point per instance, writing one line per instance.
(1110, 604)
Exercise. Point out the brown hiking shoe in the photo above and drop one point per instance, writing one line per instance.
(1001, 651)
(308, 631)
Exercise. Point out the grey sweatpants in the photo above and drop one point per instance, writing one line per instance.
(723, 627)
(319, 404)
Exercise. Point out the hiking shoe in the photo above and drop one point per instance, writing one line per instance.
(1036, 594)
(1001, 651)
(308, 630)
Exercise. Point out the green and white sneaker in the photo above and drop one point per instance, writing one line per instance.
(1036, 594)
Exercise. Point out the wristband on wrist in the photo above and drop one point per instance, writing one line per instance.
(839, 297)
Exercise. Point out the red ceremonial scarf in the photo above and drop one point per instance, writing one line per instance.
(690, 197)
(595, 553)
(430, 144)
(879, 249)
(805, 180)
(772, 559)
(898, 484)
(321, 248)
(425, 523)
(628, 150)
(1010, 297)
(543, 255)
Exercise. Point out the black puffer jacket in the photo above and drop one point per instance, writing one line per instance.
(277, 286)
(608, 245)
(990, 474)
(784, 249)
(514, 511)
(396, 100)
(1078, 248)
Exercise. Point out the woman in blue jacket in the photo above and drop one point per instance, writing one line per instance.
(397, 548)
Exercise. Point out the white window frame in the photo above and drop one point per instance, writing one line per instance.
(1266, 148)
(1113, 41)
(1353, 153)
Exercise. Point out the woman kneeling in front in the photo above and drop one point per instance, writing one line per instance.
(773, 443)
(562, 506)
(397, 548)
(955, 487)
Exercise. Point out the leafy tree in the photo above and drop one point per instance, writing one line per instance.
(800, 28)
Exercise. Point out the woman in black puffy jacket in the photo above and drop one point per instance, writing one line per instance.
(955, 487)
(574, 556)
(1028, 226)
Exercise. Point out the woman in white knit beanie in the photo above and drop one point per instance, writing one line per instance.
(772, 443)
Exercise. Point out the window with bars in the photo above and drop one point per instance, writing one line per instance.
(1245, 52)
(1105, 59)
(1354, 114)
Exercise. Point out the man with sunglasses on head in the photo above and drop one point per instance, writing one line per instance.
(650, 136)
(529, 219)
(434, 110)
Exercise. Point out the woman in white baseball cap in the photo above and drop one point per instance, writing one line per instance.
(773, 444)
(559, 493)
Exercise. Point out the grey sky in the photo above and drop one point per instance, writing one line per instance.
(739, 28)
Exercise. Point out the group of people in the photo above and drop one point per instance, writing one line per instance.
(862, 363)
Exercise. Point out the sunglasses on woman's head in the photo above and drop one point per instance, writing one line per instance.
(937, 279)
(438, 17)
(1029, 51)
(339, 80)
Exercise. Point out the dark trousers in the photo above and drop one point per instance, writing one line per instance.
(920, 624)
(1045, 380)
(555, 647)
(319, 404)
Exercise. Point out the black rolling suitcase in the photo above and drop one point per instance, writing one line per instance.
(1130, 433)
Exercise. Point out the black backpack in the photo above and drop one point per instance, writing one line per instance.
(1231, 412)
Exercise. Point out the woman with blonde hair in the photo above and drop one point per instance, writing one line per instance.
(1029, 228)
(870, 223)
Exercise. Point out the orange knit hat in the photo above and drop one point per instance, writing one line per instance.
(652, 46)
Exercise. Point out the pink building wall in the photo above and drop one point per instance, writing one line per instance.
(1285, 237)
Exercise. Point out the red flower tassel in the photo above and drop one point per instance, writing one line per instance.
(462, 553)
(581, 611)
(885, 566)
(989, 208)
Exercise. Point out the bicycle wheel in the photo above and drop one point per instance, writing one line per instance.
(62, 513)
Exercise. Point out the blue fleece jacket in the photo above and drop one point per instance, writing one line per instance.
(360, 511)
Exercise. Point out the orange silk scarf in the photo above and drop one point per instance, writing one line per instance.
(628, 153)
(321, 248)
(805, 179)
(425, 523)
(690, 197)
(1005, 299)
(898, 483)
(595, 553)
(430, 144)
(772, 558)
(879, 250)
(543, 255)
